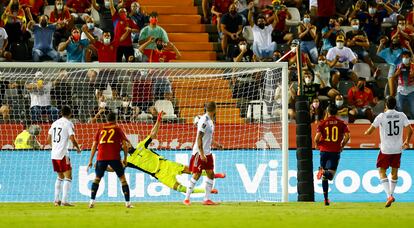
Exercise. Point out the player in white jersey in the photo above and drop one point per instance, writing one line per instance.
(391, 124)
(61, 131)
(202, 159)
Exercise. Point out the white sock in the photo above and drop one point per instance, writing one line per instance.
(209, 186)
(58, 189)
(386, 186)
(393, 184)
(91, 201)
(190, 188)
(66, 187)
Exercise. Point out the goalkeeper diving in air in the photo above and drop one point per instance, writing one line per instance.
(164, 170)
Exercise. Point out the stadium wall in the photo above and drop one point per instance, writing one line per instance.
(27, 176)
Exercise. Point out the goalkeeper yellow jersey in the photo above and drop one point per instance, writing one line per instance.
(144, 158)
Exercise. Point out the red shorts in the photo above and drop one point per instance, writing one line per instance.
(62, 165)
(386, 160)
(197, 165)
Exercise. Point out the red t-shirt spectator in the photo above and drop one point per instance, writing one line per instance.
(402, 39)
(221, 6)
(155, 56)
(57, 17)
(109, 139)
(326, 8)
(120, 30)
(332, 130)
(360, 98)
(34, 5)
(79, 5)
(106, 53)
(281, 24)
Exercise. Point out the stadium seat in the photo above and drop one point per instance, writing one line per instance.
(167, 107)
(48, 9)
(295, 20)
(344, 86)
(363, 70)
(256, 109)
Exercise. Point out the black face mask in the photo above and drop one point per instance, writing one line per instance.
(160, 47)
(15, 7)
(261, 26)
(233, 12)
(43, 24)
(361, 87)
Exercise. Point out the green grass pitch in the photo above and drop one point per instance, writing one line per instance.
(171, 215)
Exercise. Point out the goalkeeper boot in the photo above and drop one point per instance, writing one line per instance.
(214, 191)
(58, 203)
(187, 202)
(390, 200)
(219, 175)
(320, 173)
(209, 203)
(327, 202)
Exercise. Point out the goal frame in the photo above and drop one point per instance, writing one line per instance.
(205, 65)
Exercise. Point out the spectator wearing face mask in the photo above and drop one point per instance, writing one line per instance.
(43, 39)
(263, 47)
(292, 60)
(61, 14)
(75, 47)
(123, 30)
(241, 52)
(376, 15)
(343, 110)
(231, 27)
(106, 49)
(404, 77)
(152, 30)
(140, 18)
(310, 89)
(163, 53)
(280, 34)
(392, 56)
(360, 12)
(361, 99)
(322, 72)
(105, 14)
(402, 32)
(316, 110)
(339, 58)
(79, 9)
(91, 52)
(329, 34)
(307, 34)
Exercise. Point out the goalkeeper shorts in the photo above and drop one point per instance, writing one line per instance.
(168, 172)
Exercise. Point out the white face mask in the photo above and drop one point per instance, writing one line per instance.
(321, 62)
(107, 41)
(242, 47)
(340, 45)
(125, 104)
(102, 105)
(406, 61)
(355, 27)
(306, 20)
(107, 4)
(339, 103)
(59, 6)
(402, 27)
(308, 81)
(90, 26)
(372, 10)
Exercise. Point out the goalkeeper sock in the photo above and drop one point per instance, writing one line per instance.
(58, 189)
(66, 187)
(386, 186)
(190, 188)
(94, 190)
(125, 190)
(209, 186)
(325, 187)
(393, 184)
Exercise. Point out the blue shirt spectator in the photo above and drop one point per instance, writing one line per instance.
(43, 39)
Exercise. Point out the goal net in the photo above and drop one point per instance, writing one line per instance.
(251, 124)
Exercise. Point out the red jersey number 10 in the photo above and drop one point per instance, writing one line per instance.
(110, 133)
(331, 134)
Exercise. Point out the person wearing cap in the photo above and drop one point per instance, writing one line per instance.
(342, 56)
(361, 99)
(152, 30)
(27, 138)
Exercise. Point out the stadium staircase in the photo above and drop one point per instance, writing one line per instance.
(197, 42)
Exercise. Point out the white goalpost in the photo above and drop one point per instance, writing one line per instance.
(251, 122)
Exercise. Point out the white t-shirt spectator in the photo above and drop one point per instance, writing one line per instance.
(262, 37)
(60, 132)
(41, 97)
(3, 36)
(97, 33)
(346, 55)
(205, 125)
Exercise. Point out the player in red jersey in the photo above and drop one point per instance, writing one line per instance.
(109, 140)
(331, 136)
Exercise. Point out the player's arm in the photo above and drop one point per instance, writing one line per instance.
(217, 144)
(370, 130)
(75, 143)
(154, 130)
(93, 151)
(347, 136)
(200, 145)
(409, 131)
(125, 147)
(49, 140)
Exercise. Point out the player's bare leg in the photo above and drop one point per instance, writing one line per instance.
(67, 182)
(58, 188)
(94, 190)
(190, 188)
(386, 185)
(125, 190)
(209, 187)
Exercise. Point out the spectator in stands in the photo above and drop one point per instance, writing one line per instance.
(358, 41)
(27, 139)
(361, 99)
(291, 59)
(402, 32)
(316, 111)
(79, 9)
(310, 89)
(152, 30)
(307, 35)
(85, 95)
(322, 72)
(40, 99)
(91, 52)
(125, 110)
(280, 34)
(106, 49)
(231, 27)
(122, 37)
(344, 7)
(392, 56)
(142, 92)
(241, 52)
(329, 34)
(140, 17)
(4, 106)
(263, 47)
(326, 10)
(242, 9)
(343, 110)
(62, 90)
(35, 7)
(75, 47)
(376, 15)
(340, 58)
(163, 53)
(360, 12)
(105, 14)
(218, 9)
(126, 4)
(3, 45)
(101, 111)
(43, 39)
(61, 14)
(404, 75)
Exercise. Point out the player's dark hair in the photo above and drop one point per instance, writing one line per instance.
(390, 102)
(332, 109)
(66, 111)
(111, 117)
(211, 106)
